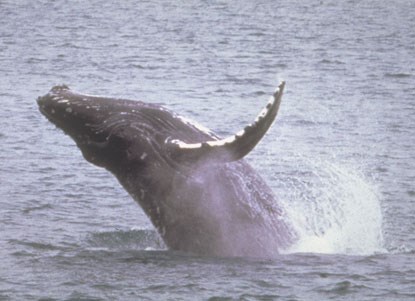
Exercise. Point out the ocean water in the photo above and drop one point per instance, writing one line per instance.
(340, 156)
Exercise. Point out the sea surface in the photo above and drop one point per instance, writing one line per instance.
(340, 157)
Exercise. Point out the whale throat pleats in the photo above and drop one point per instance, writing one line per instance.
(233, 147)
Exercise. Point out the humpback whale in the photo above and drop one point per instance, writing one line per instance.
(196, 188)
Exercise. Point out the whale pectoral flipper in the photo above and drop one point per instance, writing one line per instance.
(233, 147)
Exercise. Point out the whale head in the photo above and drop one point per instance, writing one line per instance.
(117, 134)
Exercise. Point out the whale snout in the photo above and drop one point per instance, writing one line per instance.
(54, 105)
(47, 105)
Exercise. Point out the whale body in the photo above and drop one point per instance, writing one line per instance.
(196, 188)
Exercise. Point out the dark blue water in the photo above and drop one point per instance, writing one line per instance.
(340, 156)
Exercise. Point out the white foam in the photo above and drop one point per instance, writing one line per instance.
(337, 212)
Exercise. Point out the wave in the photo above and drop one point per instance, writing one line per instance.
(397, 75)
(135, 239)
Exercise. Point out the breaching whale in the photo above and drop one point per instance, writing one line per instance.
(196, 188)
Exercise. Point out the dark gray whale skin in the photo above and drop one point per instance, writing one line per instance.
(198, 192)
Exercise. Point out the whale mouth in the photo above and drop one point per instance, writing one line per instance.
(47, 110)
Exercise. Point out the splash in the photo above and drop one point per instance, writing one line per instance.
(335, 210)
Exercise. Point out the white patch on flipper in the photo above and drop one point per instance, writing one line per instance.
(222, 142)
(69, 110)
(269, 105)
(143, 156)
(182, 144)
(240, 134)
